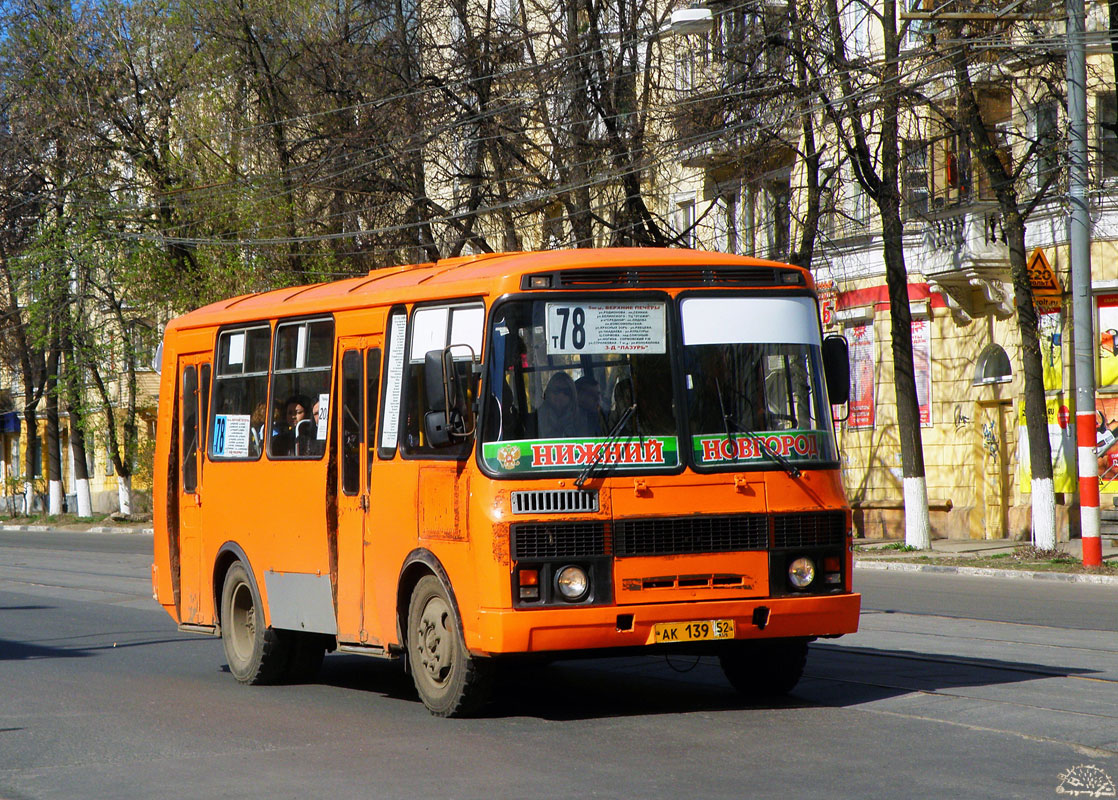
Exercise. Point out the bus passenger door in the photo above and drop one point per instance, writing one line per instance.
(194, 384)
(359, 368)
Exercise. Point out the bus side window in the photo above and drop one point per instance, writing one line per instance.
(458, 327)
(372, 395)
(301, 389)
(189, 430)
(240, 387)
(352, 428)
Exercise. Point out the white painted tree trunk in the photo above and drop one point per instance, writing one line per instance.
(1044, 514)
(918, 532)
(124, 493)
(28, 497)
(85, 498)
(54, 493)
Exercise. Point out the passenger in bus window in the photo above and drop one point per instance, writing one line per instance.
(558, 416)
(315, 446)
(297, 428)
(591, 421)
(256, 429)
(622, 399)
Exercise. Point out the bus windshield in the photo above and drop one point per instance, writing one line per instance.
(572, 381)
(575, 381)
(754, 381)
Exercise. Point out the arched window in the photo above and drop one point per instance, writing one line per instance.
(992, 367)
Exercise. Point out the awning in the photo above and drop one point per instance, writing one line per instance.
(9, 422)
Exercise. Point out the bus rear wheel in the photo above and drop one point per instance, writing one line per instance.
(450, 682)
(765, 667)
(255, 654)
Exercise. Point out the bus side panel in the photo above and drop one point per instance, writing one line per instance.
(164, 569)
(166, 502)
(391, 536)
(275, 511)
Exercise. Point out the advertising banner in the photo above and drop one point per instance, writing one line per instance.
(922, 366)
(862, 364)
(1108, 340)
(1051, 352)
(1061, 439)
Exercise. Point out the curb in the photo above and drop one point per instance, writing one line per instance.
(987, 572)
(93, 529)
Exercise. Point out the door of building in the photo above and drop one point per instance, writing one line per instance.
(997, 442)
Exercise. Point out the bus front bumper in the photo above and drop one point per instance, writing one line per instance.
(601, 627)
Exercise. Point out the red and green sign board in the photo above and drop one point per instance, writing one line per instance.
(743, 448)
(530, 455)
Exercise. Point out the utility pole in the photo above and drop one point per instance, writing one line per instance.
(1080, 243)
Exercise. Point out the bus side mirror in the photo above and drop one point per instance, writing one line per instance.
(836, 368)
(435, 421)
(446, 419)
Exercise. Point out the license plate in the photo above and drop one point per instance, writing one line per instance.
(694, 631)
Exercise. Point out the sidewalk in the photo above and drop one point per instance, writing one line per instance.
(874, 554)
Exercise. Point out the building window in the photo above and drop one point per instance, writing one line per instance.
(915, 177)
(1042, 130)
(1107, 124)
(685, 222)
(778, 198)
(726, 223)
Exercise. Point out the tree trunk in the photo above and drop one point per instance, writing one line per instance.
(917, 527)
(1036, 414)
(77, 437)
(53, 437)
(1032, 366)
(124, 494)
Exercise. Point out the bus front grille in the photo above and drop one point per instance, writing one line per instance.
(811, 529)
(663, 536)
(554, 501)
(534, 540)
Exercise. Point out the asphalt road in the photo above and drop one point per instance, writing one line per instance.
(953, 687)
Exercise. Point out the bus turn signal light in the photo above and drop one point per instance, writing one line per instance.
(529, 584)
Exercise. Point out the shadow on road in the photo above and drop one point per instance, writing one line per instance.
(648, 685)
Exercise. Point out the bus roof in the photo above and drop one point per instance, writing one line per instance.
(469, 276)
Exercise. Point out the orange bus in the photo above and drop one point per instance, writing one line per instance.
(456, 463)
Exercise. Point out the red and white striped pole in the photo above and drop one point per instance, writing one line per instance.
(1086, 437)
(1080, 245)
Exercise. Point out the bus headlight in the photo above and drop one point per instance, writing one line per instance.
(573, 583)
(801, 572)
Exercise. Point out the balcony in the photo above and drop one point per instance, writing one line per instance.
(964, 255)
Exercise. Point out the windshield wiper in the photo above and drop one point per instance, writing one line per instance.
(731, 425)
(613, 435)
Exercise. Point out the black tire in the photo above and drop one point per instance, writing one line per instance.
(450, 682)
(764, 668)
(256, 655)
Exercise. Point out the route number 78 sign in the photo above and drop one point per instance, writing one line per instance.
(595, 328)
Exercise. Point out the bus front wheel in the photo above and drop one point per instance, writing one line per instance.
(450, 682)
(255, 654)
(764, 667)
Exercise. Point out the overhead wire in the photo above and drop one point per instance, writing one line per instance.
(391, 151)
